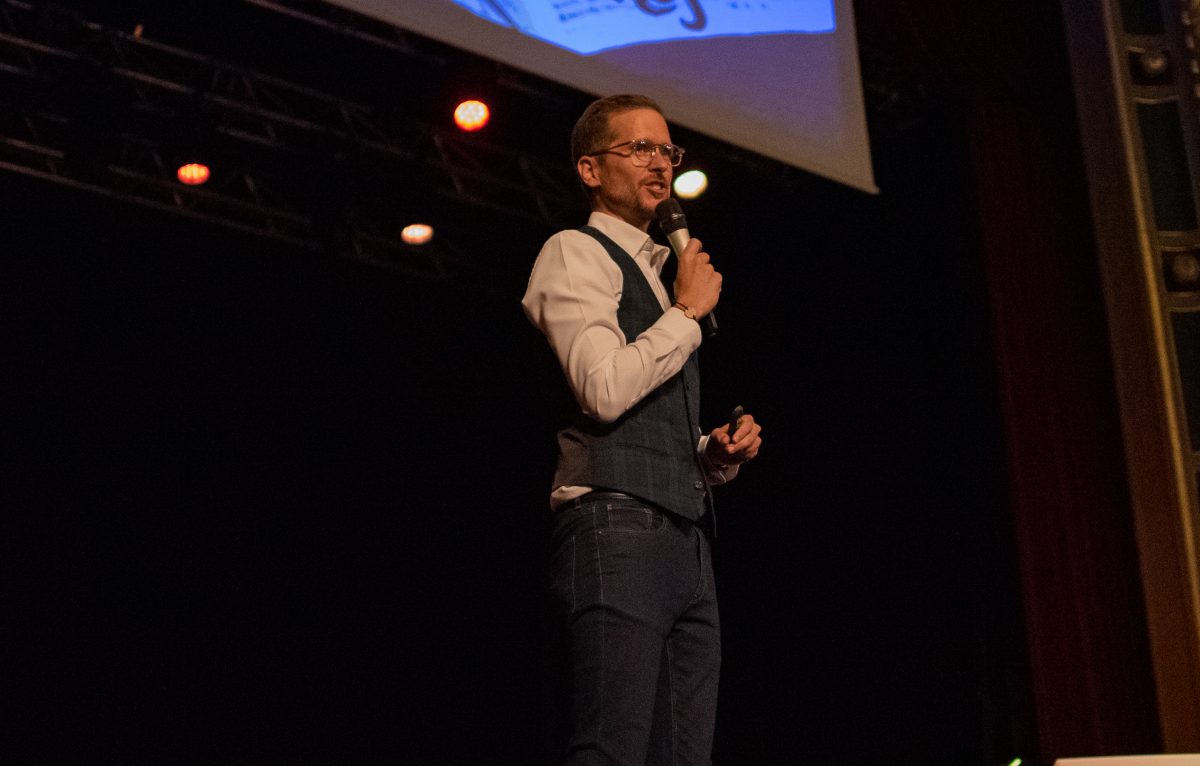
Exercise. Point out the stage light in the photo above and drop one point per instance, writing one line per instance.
(417, 233)
(691, 184)
(192, 174)
(472, 115)
(1154, 62)
(1015, 762)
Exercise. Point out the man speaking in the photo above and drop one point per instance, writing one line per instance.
(631, 567)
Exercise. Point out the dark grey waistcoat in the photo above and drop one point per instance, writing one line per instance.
(650, 451)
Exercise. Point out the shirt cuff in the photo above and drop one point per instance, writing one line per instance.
(716, 474)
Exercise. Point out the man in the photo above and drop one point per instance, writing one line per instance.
(631, 567)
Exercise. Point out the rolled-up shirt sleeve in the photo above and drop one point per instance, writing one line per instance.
(572, 297)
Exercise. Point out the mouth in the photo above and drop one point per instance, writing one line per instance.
(657, 188)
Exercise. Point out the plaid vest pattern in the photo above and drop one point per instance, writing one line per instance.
(650, 451)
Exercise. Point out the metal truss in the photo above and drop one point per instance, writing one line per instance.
(113, 113)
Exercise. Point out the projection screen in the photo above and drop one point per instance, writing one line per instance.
(777, 77)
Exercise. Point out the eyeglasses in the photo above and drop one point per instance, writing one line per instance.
(642, 150)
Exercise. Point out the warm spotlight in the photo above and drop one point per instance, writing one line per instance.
(1155, 62)
(417, 233)
(691, 184)
(471, 115)
(192, 174)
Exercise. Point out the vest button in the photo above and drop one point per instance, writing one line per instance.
(698, 484)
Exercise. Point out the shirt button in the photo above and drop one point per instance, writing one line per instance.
(698, 484)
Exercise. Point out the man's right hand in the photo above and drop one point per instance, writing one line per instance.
(697, 283)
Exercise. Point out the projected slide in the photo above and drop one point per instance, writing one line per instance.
(778, 77)
(589, 26)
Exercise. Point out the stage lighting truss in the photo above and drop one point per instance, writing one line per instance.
(110, 112)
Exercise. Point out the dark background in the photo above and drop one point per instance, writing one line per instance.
(280, 507)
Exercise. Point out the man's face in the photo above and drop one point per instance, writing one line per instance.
(622, 188)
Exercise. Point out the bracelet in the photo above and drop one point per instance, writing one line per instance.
(687, 312)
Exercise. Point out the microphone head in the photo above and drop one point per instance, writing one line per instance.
(670, 215)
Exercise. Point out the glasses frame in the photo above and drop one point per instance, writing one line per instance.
(656, 149)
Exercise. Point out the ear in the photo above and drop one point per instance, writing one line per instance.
(588, 168)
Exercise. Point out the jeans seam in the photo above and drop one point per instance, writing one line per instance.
(600, 569)
(574, 600)
(671, 697)
(702, 588)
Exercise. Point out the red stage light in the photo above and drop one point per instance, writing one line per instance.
(192, 174)
(471, 115)
(417, 233)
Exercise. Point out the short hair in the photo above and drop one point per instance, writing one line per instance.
(592, 130)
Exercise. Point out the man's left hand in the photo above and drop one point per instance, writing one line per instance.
(743, 446)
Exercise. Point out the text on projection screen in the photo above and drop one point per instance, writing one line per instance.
(590, 26)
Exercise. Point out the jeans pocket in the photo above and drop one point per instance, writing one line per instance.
(634, 518)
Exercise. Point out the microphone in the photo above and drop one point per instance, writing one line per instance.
(674, 225)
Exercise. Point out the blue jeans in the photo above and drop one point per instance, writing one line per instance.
(633, 599)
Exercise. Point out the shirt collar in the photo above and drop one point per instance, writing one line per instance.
(630, 238)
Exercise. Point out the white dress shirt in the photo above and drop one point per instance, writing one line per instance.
(572, 297)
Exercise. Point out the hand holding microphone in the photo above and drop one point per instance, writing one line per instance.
(697, 283)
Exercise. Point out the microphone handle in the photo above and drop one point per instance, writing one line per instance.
(679, 239)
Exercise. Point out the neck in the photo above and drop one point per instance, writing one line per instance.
(644, 225)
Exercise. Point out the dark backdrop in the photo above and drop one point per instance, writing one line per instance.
(291, 509)
(279, 507)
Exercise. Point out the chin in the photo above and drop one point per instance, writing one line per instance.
(650, 203)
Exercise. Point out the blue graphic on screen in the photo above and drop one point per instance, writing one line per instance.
(590, 26)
